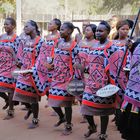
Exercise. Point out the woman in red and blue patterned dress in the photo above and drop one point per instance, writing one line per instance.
(63, 73)
(8, 63)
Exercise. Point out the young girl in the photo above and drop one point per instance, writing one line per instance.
(130, 118)
(46, 54)
(121, 81)
(84, 48)
(8, 61)
(98, 69)
(25, 90)
(62, 75)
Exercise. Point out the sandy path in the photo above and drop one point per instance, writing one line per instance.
(16, 128)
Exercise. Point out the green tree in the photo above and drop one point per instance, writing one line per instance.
(7, 7)
(100, 7)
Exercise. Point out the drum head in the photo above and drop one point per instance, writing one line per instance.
(107, 91)
(22, 71)
(76, 87)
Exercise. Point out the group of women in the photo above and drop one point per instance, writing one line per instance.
(54, 61)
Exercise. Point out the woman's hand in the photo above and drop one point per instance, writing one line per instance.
(79, 66)
(50, 66)
(18, 64)
(129, 44)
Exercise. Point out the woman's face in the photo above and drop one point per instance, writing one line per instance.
(52, 26)
(101, 32)
(28, 28)
(123, 31)
(88, 32)
(8, 27)
(113, 22)
(85, 23)
(64, 31)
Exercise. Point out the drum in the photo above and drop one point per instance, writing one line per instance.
(107, 91)
(76, 87)
(16, 72)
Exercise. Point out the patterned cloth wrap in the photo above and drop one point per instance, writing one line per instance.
(115, 59)
(42, 74)
(63, 72)
(132, 92)
(8, 52)
(29, 84)
(81, 58)
(98, 65)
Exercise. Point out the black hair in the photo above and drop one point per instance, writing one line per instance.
(13, 22)
(121, 23)
(106, 24)
(130, 23)
(93, 27)
(33, 23)
(135, 44)
(70, 26)
(58, 23)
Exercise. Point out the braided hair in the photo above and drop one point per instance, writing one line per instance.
(93, 27)
(70, 26)
(33, 23)
(58, 23)
(106, 24)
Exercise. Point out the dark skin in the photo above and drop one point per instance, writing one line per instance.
(85, 23)
(123, 32)
(30, 30)
(52, 27)
(9, 28)
(89, 35)
(65, 34)
(102, 33)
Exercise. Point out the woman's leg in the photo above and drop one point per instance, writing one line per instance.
(10, 111)
(35, 111)
(68, 114)
(29, 112)
(5, 97)
(92, 126)
(68, 125)
(11, 102)
(104, 124)
(60, 113)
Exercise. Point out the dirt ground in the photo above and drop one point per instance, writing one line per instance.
(16, 128)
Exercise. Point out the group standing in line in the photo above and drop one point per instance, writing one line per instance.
(52, 63)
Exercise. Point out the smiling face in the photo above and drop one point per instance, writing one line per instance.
(8, 26)
(101, 32)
